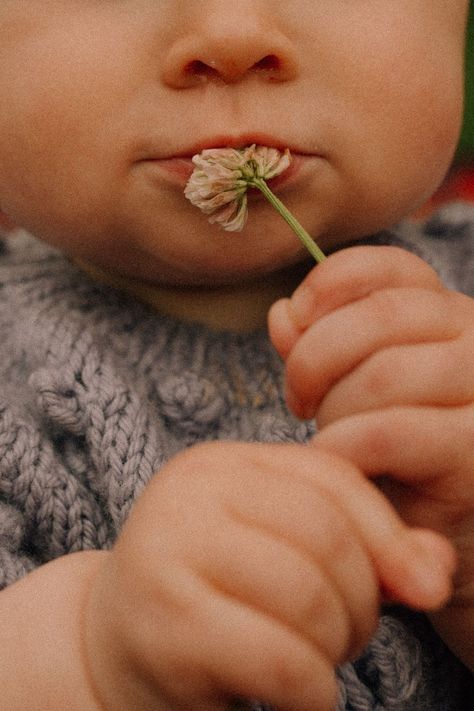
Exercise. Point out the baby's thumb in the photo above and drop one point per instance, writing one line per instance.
(414, 566)
(420, 572)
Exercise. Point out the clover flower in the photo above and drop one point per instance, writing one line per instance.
(220, 180)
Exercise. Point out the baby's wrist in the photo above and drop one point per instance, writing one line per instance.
(111, 642)
(42, 634)
(78, 581)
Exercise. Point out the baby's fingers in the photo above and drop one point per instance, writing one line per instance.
(353, 273)
(423, 374)
(429, 449)
(346, 276)
(245, 653)
(414, 566)
(340, 341)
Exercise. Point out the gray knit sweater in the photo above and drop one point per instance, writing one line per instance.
(98, 391)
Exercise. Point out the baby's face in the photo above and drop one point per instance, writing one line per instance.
(104, 102)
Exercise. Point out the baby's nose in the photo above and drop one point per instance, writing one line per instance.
(232, 42)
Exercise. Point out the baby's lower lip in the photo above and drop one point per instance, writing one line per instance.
(177, 171)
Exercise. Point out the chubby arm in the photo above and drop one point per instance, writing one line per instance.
(42, 663)
(381, 353)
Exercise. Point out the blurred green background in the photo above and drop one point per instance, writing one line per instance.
(466, 145)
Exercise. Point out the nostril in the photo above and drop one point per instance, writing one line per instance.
(268, 63)
(200, 69)
(192, 62)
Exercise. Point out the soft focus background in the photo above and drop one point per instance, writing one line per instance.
(466, 147)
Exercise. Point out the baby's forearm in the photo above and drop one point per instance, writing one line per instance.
(41, 661)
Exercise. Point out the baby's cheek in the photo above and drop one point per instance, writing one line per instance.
(6, 224)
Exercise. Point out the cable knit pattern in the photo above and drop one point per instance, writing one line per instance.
(97, 392)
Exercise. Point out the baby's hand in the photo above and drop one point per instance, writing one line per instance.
(383, 355)
(251, 571)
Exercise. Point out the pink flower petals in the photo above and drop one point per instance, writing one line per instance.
(218, 185)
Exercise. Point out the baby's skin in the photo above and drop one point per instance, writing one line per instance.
(106, 100)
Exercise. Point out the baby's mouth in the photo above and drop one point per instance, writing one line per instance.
(178, 170)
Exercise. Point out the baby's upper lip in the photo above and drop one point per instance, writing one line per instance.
(233, 141)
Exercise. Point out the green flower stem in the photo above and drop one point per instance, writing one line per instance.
(308, 242)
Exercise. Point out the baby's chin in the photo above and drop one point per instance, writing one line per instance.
(220, 260)
(219, 273)
(214, 299)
